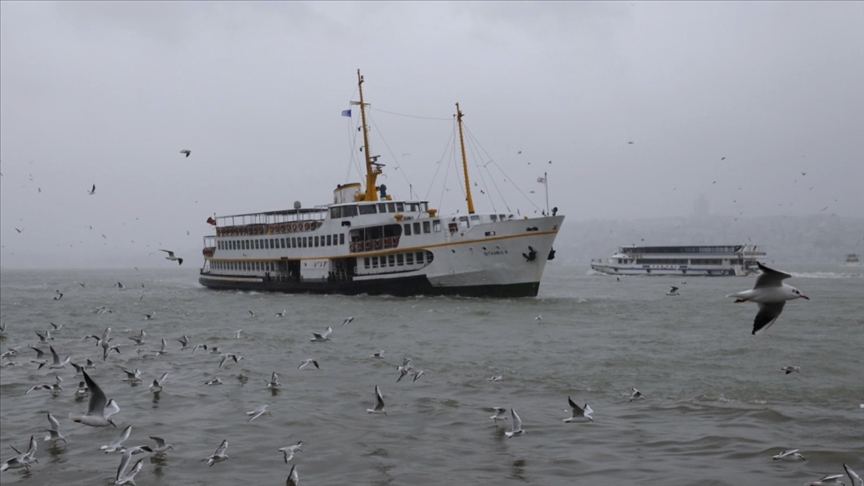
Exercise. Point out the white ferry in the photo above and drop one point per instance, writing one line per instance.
(682, 260)
(368, 242)
(852, 259)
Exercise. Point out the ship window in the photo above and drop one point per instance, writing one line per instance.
(400, 207)
(257, 244)
(306, 242)
(413, 207)
(427, 227)
(409, 258)
(349, 211)
(429, 257)
(367, 209)
(366, 262)
(273, 243)
(391, 207)
(316, 242)
(407, 229)
(416, 228)
(382, 207)
(329, 239)
(336, 212)
(400, 260)
(436, 226)
(391, 261)
(419, 257)
(374, 262)
(282, 242)
(342, 239)
(475, 219)
(493, 217)
(463, 222)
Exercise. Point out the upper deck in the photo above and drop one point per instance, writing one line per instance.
(696, 249)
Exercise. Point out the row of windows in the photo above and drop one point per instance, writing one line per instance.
(397, 260)
(292, 242)
(244, 266)
(675, 261)
(389, 207)
(426, 226)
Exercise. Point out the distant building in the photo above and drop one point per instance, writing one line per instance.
(700, 207)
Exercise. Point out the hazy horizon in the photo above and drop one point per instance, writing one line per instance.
(757, 107)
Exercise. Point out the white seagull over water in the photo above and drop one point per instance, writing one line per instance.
(54, 431)
(379, 354)
(115, 444)
(578, 413)
(259, 411)
(293, 479)
(379, 402)
(855, 478)
(219, 455)
(347, 320)
(636, 394)
(99, 409)
(21, 459)
(130, 476)
(790, 455)
(290, 450)
(172, 257)
(124, 461)
(320, 338)
(156, 387)
(500, 414)
(161, 446)
(306, 363)
(829, 479)
(274, 381)
(771, 294)
(517, 425)
(790, 369)
(673, 292)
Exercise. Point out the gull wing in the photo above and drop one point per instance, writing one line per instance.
(293, 479)
(769, 277)
(379, 404)
(169, 252)
(110, 409)
(855, 478)
(327, 332)
(114, 444)
(577, 410)
(674, 289)
(55, 425)
(54, 355)
(39, 352)
(160, 442)
(162, 379)
(97, 402)
(517, 422)
(768, 313)
(221, 450)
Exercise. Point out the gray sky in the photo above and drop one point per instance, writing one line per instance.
(110, 92)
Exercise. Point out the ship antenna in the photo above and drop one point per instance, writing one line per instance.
(459, 116)
(371, 172)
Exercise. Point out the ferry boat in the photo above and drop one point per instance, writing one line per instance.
(852, 259)
(368, 242)
(682, 260)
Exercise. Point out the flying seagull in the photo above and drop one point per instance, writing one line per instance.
(790, 369)
(92, 191)
(99, 409)
(579, 412)
(673, 292)
(636, 394)
(790, 455)
(172, 257)
(219, 455)
(379, 402)
(517, 425)
(771, 294)
(500, 414)
(187, 152)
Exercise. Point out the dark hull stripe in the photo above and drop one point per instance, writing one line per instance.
(399, 287)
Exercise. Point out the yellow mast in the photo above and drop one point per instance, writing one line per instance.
(459, 115)
(371, 172)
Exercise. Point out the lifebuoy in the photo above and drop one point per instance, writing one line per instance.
(351, 247)
(368, 245)
(395, 241)
(378, 243)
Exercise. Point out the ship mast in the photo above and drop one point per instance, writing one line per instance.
(372, 167)
(459, 115)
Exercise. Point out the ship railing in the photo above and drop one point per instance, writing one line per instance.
(374, 244)
(268, 229)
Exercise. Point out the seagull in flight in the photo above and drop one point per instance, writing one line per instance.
(771, 294)
(92, 191)
(187, 152)
(347, 320)
(172, 257)
(673, 292)
(290, 450)
(790, 369)
(517, 425)
(379, 402)
(790, 455)
(636, 394)
(320, 338)
(500, 414)
(579, 412)
(259, 411)
(306, 363)
(99, 409)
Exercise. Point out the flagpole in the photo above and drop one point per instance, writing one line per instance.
(546, 185)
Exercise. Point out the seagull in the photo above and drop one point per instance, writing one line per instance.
(290, 450)
(281, 314)
(149, 316)
(198, 346)
(82, 390)
(495, 378)
(771, 294)
(790, 455)
(184, 341)
(19, 230)
(107, 348)
(274, 381)
(379, 354)
(99, 410)
(58, 296)
(251, 315)
(854, 478)
(379, 402)
(790, 369)
(214, 381)
(57, 363)
(417, 374)
(237, 333)
(636, 394)
(831, 478)
(539, 317)
(119, 286)
(219, 455)
(306, 363)
(139, 339)
(161, 446)
(259, 411)
(156, 387)
(233, 356)
(21, 460)
(517, 425)
(55, 327)
(39, 358)
(115, 444)
(162, 350)
(347, 320)
(187, 152)
(130, 476)
(673, 292)
(320, 338)
(54, 431)
(579, 412)
(92, 191)
(500, 414)
(172, 257)
(124, 461)
(293, 479)
(44, 338)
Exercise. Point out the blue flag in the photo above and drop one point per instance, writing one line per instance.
(346, 113)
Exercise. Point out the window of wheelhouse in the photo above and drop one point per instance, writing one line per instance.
(426, 227)
(367, 209)
(382, 207)
(349, 211)
(400, 207)
(463, 222)
(336, 212)
(436, 226)
(407, 229)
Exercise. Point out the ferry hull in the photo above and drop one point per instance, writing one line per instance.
(702, 272)
(399, 287)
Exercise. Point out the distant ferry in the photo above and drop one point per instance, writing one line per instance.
(682, 260)
(852, 259)
(367, 242)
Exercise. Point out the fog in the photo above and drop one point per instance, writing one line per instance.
(634, 110)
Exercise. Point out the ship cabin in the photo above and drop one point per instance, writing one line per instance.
(336, 242)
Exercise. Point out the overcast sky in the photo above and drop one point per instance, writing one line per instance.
(110, 92)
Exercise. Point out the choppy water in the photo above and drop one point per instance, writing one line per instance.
(717, 405)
